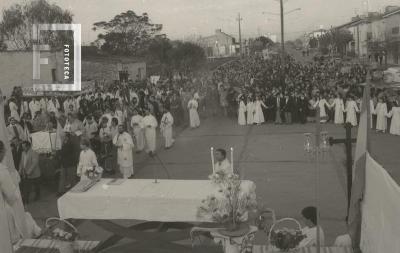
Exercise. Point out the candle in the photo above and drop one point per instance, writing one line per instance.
(212, 160)
(232, 159)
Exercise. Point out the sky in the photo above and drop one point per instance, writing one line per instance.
(182, 19)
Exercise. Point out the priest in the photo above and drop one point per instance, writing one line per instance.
(124, 143)
(150, 124)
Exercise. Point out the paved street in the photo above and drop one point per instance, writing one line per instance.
(272, 156)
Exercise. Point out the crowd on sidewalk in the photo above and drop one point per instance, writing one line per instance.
(332, 88)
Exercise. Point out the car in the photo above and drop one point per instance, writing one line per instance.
(392, 75)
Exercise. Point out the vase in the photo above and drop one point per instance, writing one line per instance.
(235, 230)
(65, 247)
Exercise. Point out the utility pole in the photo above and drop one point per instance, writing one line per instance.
(283, 46)
(239, 19)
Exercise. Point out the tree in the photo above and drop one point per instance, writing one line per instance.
(260, 43)
(298, 43)
(17, 23)
(335, 39)
(186, 57)
(313, 43)
(126, 33)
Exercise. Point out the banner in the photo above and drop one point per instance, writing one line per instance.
(380, 229)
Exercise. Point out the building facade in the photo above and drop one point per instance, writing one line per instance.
(219, 45)
(110, 68)
(16, 69)
(392, 31)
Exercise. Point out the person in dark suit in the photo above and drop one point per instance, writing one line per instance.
(279, 105)
(288, 108)
(303, 109)
(271, 107)
(30, 172)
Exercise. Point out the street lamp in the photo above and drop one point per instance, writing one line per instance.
(316, 151)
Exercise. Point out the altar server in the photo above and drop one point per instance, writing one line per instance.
(167, 122)
(137, 126)
(395, 115)
(124, 143)
(87, 159)
(338, 106)
(381, 113)
(250, 111)
(193, 114)
(242, 111)
(150, 124)
(222, 163)
(351, 110)
(14, 109)
(309, 215)
(258, 112)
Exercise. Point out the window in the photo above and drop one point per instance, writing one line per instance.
(395, 30)
(53, 75)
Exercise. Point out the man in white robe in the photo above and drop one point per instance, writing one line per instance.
(167, 122)
(123, 141)
(137, 126)
(150, 124)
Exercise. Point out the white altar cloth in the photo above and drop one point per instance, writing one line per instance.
(142, 199)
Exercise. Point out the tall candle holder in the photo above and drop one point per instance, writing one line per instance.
(315, 151)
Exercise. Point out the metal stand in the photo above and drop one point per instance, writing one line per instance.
(348, 141)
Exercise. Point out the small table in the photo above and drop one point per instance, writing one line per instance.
(161, 206)
(234, 244)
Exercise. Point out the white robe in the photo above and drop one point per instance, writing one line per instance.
(224, 165)
(351, 109)
(34, 106)
(87, 159)
(322, 111)
(339, 108)
(150, 124)
(137, 126)
(14, 111)
(250, 113)
(395, 124)
(7, 197)
(167, 122)
(193, 115)
(242, 114)
(125, 153)
(258, 113)
(311, 239)
(381, 112)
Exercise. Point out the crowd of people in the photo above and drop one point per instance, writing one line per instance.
(107, 125)
(330, 87)
(103, 127)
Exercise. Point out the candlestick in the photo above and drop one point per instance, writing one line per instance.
(232, 159)
(212, 160)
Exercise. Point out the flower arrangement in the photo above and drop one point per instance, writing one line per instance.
(286, 239)
(231, 205)
(94, 173)
(218, 177)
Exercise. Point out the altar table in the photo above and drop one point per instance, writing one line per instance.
(167, 204)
